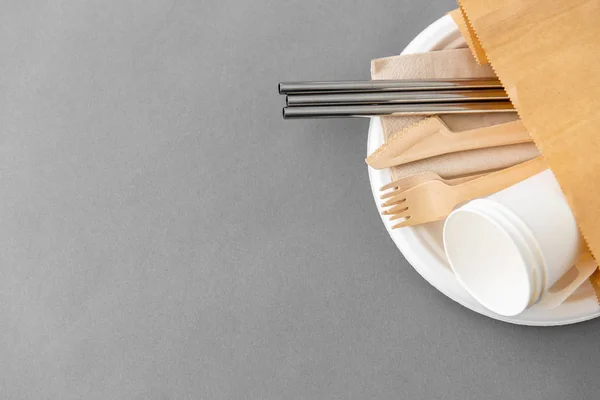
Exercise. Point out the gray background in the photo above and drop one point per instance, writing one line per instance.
(165, 235)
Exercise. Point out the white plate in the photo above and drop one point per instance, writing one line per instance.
(422, 245)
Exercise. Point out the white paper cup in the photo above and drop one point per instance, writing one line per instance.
(508, 249)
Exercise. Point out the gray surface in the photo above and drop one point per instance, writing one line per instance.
(166, 235)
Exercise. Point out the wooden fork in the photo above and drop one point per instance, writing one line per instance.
(434, 200)
(402, 184)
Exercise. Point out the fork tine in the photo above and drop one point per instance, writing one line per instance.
(389, 185)
(389, 194)
(395, 209)
(401, 214)
(405, 223)
(399, 199)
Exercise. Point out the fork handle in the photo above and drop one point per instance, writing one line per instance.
(499, 180)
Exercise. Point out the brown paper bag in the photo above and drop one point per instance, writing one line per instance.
(547, 54)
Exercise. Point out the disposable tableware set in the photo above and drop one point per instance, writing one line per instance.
(477, 157)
